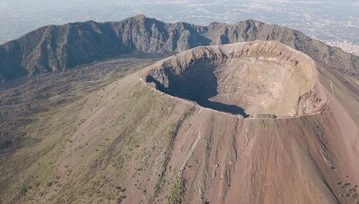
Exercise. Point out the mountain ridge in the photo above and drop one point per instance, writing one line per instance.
(57, 48)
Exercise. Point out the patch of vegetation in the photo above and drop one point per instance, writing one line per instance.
(190, 111)
(47, 109)
(318, 129)
(5, 139)
(263, 124)
(174, 128)
(178, 191)
(140, 105)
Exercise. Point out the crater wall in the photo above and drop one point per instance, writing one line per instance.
(252, 78)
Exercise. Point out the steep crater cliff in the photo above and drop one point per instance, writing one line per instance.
(250, 79)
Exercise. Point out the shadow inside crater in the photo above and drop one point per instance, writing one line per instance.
(223, 107)
(197, 84)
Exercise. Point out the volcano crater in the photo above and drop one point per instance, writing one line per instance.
(248, 79)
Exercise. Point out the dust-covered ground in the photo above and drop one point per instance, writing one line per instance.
(121, 140)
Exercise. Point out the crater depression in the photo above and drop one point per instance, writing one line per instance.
(250, 79)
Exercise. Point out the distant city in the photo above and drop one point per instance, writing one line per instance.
(334, 22)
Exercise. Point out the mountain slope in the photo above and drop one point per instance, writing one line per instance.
(57, 48)
(129, 142)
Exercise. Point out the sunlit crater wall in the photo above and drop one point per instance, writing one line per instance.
(244, 78)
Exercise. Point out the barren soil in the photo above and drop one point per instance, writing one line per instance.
(137, 142)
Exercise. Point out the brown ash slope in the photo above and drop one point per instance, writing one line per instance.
(127, 142)
(306, 155)
(57, 48)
